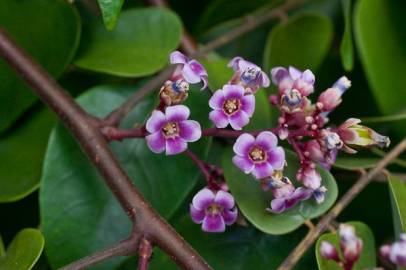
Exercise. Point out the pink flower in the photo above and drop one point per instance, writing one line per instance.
(350, 244)
(396, 252)
(259, 156)
(231, 106)
(248, 74)
(287, 196)
(214, 210)
(293, 79)
(309, 176)
(171, 131)
(331, 98)
(191, 70)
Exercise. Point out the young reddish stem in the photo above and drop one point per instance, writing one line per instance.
(144, 254)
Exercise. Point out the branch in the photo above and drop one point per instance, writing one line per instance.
(114, 118)
(323, 224)
(144, 254)
(86, 131)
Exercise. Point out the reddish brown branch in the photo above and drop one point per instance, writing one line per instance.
(324, 223)
(84, 128)
(144, 254)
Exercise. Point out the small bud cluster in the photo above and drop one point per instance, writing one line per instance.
(396, 252)
(302, 123)
(350, 247)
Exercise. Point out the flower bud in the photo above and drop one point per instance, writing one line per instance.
(173, 93)
(398, 253)
(310, 177)
(350, 244)
(329, 99)
(319, 194)
(328, 251)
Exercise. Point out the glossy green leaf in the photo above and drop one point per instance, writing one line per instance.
(368, 254)
(346, 47)
(398, 190)
(355, 163)
(110, 10)
(382, 48)
(384, 119)
(138, 46)
(2, 250)
(237, 248)
(24, 250)
(252, 201)
(79, 214)
(22, 151)
(302, 41)
(48, 30)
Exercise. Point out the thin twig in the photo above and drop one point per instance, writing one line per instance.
(144, 254)
(200, 164)
(323, 224)
(123, 248)
(114, 118)
(86, 131)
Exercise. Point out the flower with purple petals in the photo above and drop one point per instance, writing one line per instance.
(248, 74)
(171, 131)
(259, 156)
(396, 252)
(309, 176)
(213, 209)
(286, 196)
(191, 70)
(293, 79)
(231, 106)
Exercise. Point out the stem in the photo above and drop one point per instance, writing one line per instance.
(114, 118)
(200, 164)
(323, 224)
(144, 254)
(86, 131)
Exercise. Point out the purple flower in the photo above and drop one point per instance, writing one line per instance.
(231, 106)
(396, 252)
(248, 74)
(259, 156)
(293, 79)
(309, 176)
(171, 131)
(214, 210)
(328, 251)
(287, 196)
(191, 70)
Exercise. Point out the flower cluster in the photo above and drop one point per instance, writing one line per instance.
(302, 123)
(350, 247)
(396, 252)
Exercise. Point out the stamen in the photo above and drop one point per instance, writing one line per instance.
(171, 129)
(230, 106)
(257, 154)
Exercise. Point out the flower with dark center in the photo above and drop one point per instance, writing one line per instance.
(171, 131)
(248, 74)
(260, 156)
(231, 106)
(292, 78)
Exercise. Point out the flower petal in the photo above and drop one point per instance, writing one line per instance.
(190, 130)
(243, 144)
(224, 199)
(238, 120)
(218, 118)
(213, 223)
(175, 146)
(233, 91)
(177, 57)
(203, 199)
(217, 100)
(205, 82)
(265, 79)
(243, 164)
(278, 74)
(276, 157)
(197, 68)
(155, 122)
(177, 113)
(189, 74)
(248, 104)
(294, 73)
(278, 205)
(267, 140)
(156, 142)
(230, 216)
(308, 76)
(262, 170)
(234, 63)
(196, 215)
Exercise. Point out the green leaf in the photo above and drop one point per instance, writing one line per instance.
(79, 214)
(218, 72)
(302, 41)
(252, 201)
(2, 250)
(355, 163)
(382, 48)
(346, 47)
(368, 255)
(384, 119)
(50, 34)
(110, 10)
(237, 248)
(398, 191)
(138, 46)
(22, 151)
(24, 250)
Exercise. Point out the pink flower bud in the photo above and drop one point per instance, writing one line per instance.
(330, 99)
(328, 251)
